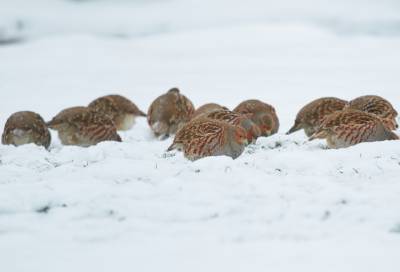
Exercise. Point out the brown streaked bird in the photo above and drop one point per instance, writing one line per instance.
(349, 127)
(262, 114)
(205, 137)
(120, 109)
(236, 119)
(206, 108)
(84, 127)
(26, 127)
(311, 115)
(378, 106)
(169, 112)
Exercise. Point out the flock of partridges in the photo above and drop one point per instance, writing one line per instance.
(210, 130)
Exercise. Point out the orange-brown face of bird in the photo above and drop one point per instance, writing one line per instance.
(253, 134)
(390, 124)
(266, 130)
(266, 125)
(241, 136)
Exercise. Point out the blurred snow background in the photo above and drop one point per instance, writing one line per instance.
(21, 19)
(285, 205)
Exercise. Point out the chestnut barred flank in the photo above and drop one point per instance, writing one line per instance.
(349, 127)
(312, 115)
(169, 112)
(205, 137)
(83, 126)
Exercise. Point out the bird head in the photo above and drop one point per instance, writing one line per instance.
(253, 133)
(390, 123)
(266, 124)
(241, 136)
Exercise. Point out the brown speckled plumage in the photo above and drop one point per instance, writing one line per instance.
(207, 108)
(349, 127)
(262, 114)
(169, 112)
(236, 119)
(120, 109)
(26, 127)
(311, 115)
(83, 127)
(204, 137)
(378, 106)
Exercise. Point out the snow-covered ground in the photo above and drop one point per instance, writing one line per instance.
(285, 205)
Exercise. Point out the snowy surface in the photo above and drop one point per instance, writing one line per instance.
(285, 205)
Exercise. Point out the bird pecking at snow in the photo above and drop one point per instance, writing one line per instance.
(262, 114)
(26, 127)
(205, 137)
(120, 109)
(169, 112)
(350, 127)
(84, 127)
(312, 115)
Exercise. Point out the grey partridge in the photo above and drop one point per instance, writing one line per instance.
(169, 112)
(84, 127)
(262, 114)
(311, 115)
(120, 109)
(206, 108)
(378, 106)
(26, 127)
(204, 137)
(236, 119)
(349, 127)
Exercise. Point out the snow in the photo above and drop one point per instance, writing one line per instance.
(286, 204)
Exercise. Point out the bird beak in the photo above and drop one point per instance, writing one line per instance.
(51, 124)
(296, 127)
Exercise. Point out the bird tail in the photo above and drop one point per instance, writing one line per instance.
(116, 138)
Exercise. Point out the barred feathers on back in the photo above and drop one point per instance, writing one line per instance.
(120, 109)
(236, 119)
(204, 137)
(83, 127)
(376, 105)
